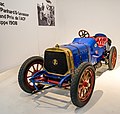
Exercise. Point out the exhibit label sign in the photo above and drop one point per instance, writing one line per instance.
(11, 16)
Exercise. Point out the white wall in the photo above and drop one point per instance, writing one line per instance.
(92, 15)
(17, 43)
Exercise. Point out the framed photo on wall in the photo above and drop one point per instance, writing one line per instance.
(46, 13)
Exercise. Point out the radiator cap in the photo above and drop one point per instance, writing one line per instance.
(57, 46)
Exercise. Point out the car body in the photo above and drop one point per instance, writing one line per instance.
(70, 66)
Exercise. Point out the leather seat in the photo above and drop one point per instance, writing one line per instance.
(101, 41)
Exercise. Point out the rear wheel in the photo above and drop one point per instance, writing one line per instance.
(82, 84)
(112, 58)
(27, 70)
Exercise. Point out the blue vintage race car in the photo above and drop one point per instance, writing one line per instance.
(71, 66)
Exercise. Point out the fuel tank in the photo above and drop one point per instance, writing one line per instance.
(81, 49)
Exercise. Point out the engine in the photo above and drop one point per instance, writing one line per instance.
(63, 59)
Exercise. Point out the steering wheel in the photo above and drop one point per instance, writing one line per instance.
(83, 34)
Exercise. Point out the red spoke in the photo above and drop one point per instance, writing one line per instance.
(79, 90)
(87, 88)
(82, 93)
(84, 76)
(41, 68)
(29, 76)
(82, 79)
(87, 76)
(30, 71)
(37, 67)
(80, 84)
(33, 68)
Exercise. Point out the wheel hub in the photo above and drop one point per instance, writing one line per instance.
(85, 84)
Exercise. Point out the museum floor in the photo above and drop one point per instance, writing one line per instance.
(105, 98)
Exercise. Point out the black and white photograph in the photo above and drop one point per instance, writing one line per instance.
(46, 13)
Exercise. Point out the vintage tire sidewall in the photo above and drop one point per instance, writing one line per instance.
(74, 85)
(110, 66)
(23, 70)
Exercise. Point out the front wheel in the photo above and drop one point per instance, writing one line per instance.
(82, 84)
(27, 70)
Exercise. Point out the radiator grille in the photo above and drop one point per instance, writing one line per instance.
(55, 62)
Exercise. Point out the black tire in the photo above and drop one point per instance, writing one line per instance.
(27, 70)
(112, 58)
(81, 82)
(109, 42)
